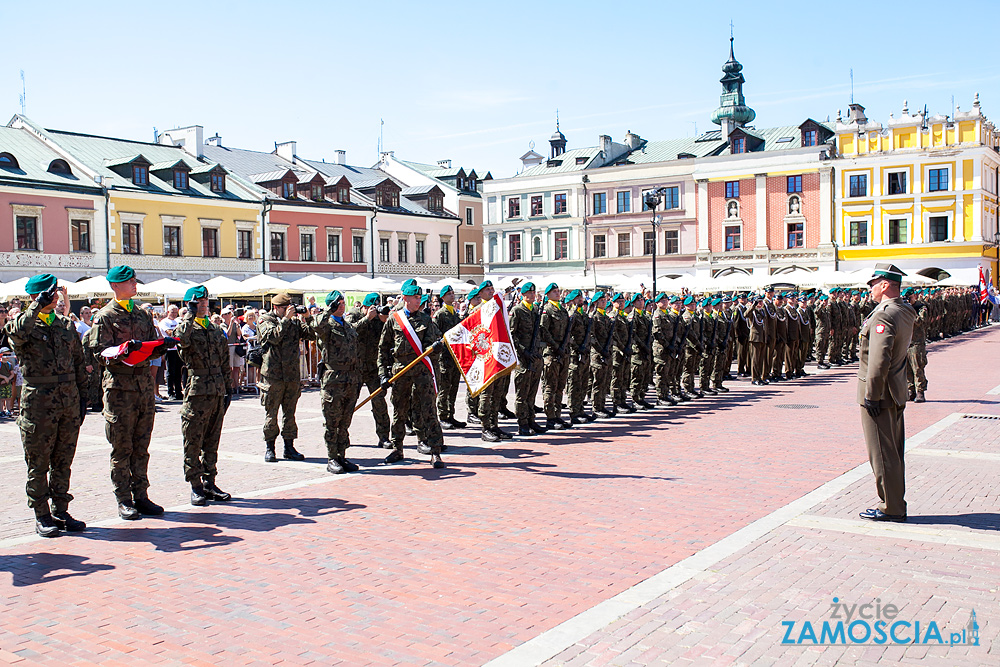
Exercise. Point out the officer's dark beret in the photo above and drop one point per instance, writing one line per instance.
(120, 274)
(40, 283)
(195, 293)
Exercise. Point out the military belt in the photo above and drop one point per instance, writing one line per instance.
(204, 371)
(50, 379)
(129, 370)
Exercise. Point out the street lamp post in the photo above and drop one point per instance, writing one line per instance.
(652, 201)
(996, 241)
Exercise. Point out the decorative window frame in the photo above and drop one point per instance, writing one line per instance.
(732, 222)
(336, 231)
(887, 227)
(277, 228)
(885, 182)
(210, 223)
(868, 235)
(247, 226)
(173, 221)
(465, 247)
(32, 211)
(308, 230)
(72, 214)
(126, 218)
(926, 178)
(923, 235)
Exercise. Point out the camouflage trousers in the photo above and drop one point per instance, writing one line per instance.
(503, 389)
(723, 362)
(284, 395)
(129, 425)
(338, 400)
(554, 376)
(448, 379)
(489, 404)
(380, 410)
(663, 385)
(471, 403)
(639, 380)
(822, 343)
(600, 373)
(201, 426)
(48, 434)
(576, 382)
(706, 367)
(526, 380)
(619, 377)
(833, 345)
(916, 362)
(413, 394)
(689, 368)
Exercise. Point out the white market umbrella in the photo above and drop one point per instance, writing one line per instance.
(961, 277)
(166, 287)
(313, 283)
(16, 288)
(220, 284)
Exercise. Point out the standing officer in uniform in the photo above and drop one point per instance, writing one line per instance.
(279, 333)
(601, 340)
(204, 349)
(525, 321)
(53, 403)
(757, 338)
(641, 355)
(490, 397)
(822, 313)
(620, 352)
(662, 326)
(555, 333)
(129, 407)
(885, 337)
(578, 348)
(368, 322)
(916, 377)
(340, 380)
(449, 374)
(693, 347)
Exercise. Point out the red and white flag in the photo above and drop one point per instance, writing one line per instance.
(411, 335)
(481, 345)
(984, 287)
(131, 357)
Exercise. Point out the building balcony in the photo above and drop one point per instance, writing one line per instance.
(412, 269)
(759, 256)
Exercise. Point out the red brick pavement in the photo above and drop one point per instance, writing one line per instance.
(410, 565)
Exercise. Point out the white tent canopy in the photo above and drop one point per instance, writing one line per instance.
(16, 287)
(171, 289)
(313, 283)
(961, 277)
(220, 284)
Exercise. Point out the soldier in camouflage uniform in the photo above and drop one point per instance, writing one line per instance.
(416, 388)
(601, 340)
(662, 326)
(693, 347)
(554, 330)
(724, 344)
(822, 314)
(449, 374)
(640, 354)
(368, 321)
(340, 380)
(129, 407)
(578, 349)
(676, 347)
(525, 321)
(279, 333)
(916, 354)
(620, 352)
(204, 349)
(709, 331)
(53, 403)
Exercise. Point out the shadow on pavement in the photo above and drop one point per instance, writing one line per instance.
(169, 539)
(978, 520)
(42, 568)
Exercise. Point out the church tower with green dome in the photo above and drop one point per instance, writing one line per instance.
(733, 111)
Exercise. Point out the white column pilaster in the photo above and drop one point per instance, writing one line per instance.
(703, 222)
(760, 200)
(825, 207)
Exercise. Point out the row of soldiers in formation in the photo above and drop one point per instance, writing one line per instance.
(607, 348)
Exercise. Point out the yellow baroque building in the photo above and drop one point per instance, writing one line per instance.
(920, 192)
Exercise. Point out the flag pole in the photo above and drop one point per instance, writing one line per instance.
(398, 375)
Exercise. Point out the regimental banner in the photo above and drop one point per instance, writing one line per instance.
(481, 345)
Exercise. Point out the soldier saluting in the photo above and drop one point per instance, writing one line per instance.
(340, 381)
(53, 403)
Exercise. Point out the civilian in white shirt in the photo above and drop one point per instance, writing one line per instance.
(173, 371)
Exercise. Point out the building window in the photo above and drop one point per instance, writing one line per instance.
(317, 192)
(937, 180)
(244, 243)
(446, 252)
(209, 242)
(897, 231)
(419, 254)
(358, 249)
(435, 203)
(600, 245)
(536, 246)
(624, 202)
(859, 185)
(796, 235)
(671, 242)
(278, 246)
(897, 183)
(624, 245)
(600, 203)
(140, 174)
(648, 243)
(732, 189)
(562, 245)
(733, 238)
(739, 145)
(470, 253)
(383, 250)
(938, 228)
(403, 251)
(171, 241)
(536, 205)
(130, 238)
(307, 249)
(288, 190)
(859, 233)
(515, 247)
(468, 216)
(560, 204)
(81, 235)
(671, 198)
(8, 161)
(218, 182)
(344, 195)
(180, 179)
(810, 138)
(794, 184)
(27, 232)
(333, 247)
(514, 207)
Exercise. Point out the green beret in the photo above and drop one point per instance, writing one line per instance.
(409, 281)
(598, 295)
(551, 286)
(424, 299)
(485, 283)
(334, 297)
(474, 292)
(688, 300)
(527, 287)
(120, 274)
(410, 289)
(445, 290)
(371, 299)
(706, 302)
(40, 283)
(635, 297)
(195, 293)
(618, 295)
(661, 295)
(674, 298)
(572, 295)
(716, 301)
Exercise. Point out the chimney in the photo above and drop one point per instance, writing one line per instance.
(191, 139)
(285, 150)
(605, 143)
(341, 157)
(444, 164)
(633, 141)
(214, 141)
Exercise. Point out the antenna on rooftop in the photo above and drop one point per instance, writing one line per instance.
(852, 85)
(24, 94)
(381, 125)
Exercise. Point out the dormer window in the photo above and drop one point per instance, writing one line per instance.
(435, 203)
(317, 192)
(386, 197)
(288, 189)
(344, 195)
(180, 179)
(739, 145)
(60, 167)
(810, 138)
(218, 182)
(8, 161)
(140, 174)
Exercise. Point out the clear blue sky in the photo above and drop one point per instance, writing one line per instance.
(474, 81)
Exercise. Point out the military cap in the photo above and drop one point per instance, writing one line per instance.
(371, 299)
(409, 281)
(527, 287)
(674, 298)
(688, 300)
(333, 297)
(410, 289)
(597, 296)
(706, 302)
(887, 271)
(486, 283)
(424, 299)
(727, 299)
(474, 292)
(40, 283)
(549, 288)
(660, 296)
(631, 300)
(281, 299)
(120, 274)
(769, 288)
(716, 301)
(618, 295)
(650, 302)
(907, 292)
(445, 290)
(573, 294)
(195, 293)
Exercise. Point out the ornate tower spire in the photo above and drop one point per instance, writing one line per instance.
(557, 141)
(733, 111)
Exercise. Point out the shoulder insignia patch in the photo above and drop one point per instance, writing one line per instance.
(879, 328)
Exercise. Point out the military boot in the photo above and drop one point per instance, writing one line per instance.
(524, 430)
(290, 453)
(269, 455)
(920, 398)
(507, 414)
(348, 466)
(215, 493)
(64, 521)
(454, 422)
(396, 455)
(423, 448)
(198, 496)
(490, 436)
(334, 467)
(46, 526)
(127, 510)
(147, 507)
(538, 428)
(436, 461)
(385, 444)
(553, 425)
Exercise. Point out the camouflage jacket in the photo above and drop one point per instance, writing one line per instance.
(523, 321)
(369, 332)
(280, 338)
(578, 331)
(394, 349)
(620, 332)
(555, 320)
(338, 345)
(444, 320)
(601, 330)
(51, 359)
(112, 326)
(205, 352)
(640, 332)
